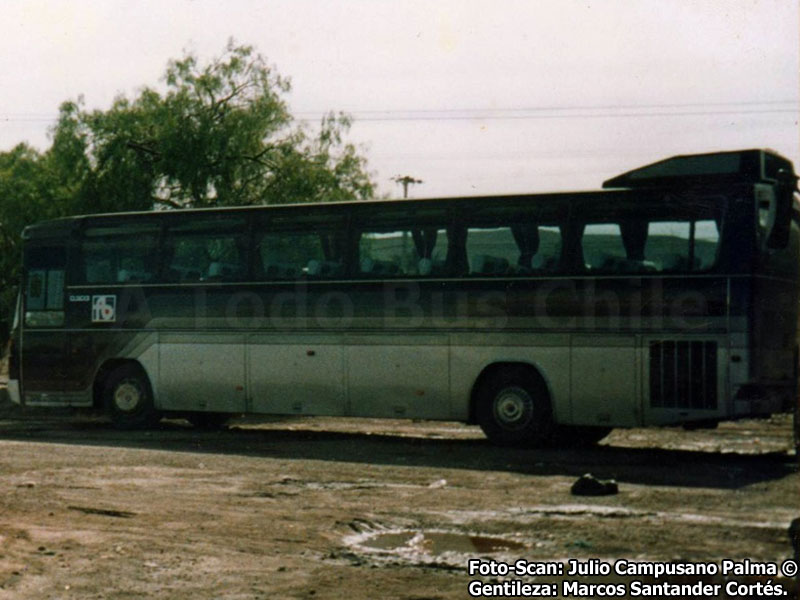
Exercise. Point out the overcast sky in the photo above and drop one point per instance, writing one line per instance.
(472, 97)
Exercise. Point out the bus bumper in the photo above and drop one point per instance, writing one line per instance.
(13, 391)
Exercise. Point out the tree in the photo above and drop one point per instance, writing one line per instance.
(218, 134)
(26, 193)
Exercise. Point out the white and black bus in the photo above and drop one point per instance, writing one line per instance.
(668, 297)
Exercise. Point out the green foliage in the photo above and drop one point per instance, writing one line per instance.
(27, 194)
(218, 134)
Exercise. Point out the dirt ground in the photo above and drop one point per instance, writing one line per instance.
(358, 509)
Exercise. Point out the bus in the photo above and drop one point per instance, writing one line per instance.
(668, 297)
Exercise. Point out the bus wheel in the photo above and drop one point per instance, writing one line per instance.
(129, 399)
(513, 408)
(210, 421)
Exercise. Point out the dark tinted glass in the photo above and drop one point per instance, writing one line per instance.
(206, 250)
(119, 253)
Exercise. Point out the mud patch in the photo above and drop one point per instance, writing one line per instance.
(430, 547)
(437, 543)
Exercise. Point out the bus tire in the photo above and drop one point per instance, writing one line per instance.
(208, 421)
(128, 398)
(513, 408)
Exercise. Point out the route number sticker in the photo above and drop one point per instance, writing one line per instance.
(104, 309)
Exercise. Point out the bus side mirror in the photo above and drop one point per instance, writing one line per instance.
(784, 197)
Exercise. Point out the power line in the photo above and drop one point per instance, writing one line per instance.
(588, 111)
(609, 115)
(598, 111)
(795, 103)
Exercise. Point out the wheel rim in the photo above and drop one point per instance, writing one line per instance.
(127, 396)
(513, 408)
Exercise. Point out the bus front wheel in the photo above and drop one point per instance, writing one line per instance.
(128, 398)
(513, 408)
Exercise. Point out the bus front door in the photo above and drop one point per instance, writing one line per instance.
(43, 340)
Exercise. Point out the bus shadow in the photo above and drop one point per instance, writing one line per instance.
(646, 466)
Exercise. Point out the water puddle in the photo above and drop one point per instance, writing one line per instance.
(410, 543)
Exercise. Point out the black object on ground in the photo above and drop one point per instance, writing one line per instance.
(589, 485)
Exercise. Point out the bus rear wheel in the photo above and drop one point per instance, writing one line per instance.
(128, 398)
(513, 408)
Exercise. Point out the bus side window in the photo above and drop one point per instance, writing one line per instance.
(206, 258)
(668, 245)
(206, 251)
(430, 244)
(706, 244)
(44, 286)
(491, 251)
(520, 249)
(418, 252)
(603, 249)
(548, 253)
(385, 254)
(36, 289)
(682, 245)
(119, 253)
(289, 255)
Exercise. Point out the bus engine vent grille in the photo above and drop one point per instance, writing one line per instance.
(683, 374)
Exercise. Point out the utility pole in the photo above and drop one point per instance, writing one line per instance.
(405, 181)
